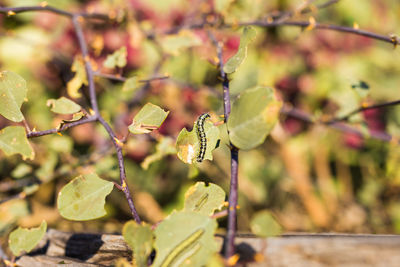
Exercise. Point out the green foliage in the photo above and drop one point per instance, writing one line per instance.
(185, 239)
(12, 94)
(263, 224)
(254, 114)
(21, 170)
(11, 211)
(164, 147)
(188, 143)
(140, 240)
(248, 35)
(13, 141)
(131, 84)
(83, 198)
(26, 239)
(173, 44)
(63, 105)
(149, 118)
(204, 199)
(116, 59)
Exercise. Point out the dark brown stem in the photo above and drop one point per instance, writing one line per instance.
(11, 10)
(233, 190)
(66, 126)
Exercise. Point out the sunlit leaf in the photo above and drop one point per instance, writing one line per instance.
(263, 224)
(140, 240)
(122, 262)
(248, 35)
(221, 6)
(63, 106)
(254, 114)
(204, 199)
(78, 66)
(21, 170)
(216, 261)
(185, 239)
(173, 44)
(46, 171)
(23, 239)
(116, 59)
(164, 147)
(12, 94)
(11, 211)
(149, 118)
(13, 141)
(83, 198)
(188, 143)
(131, 84)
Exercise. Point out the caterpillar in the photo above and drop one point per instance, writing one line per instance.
(202, 136)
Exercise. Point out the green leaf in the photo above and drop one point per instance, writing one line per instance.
(173, 44)
(140, 240)
(149, 118)
(12, 94)
(83, 198)
(131, 84)
(46, 171)
(204, 199)
(254, 114)
(78, 66)
(221, 6)
(164, 147)
(263, 224)
(188, 143)
(122, 262)
(116, 59)
(21, 170)
(13, 141)
(185, 239)
(248, 35)
(63, 106)
(11, 211)
(23, 239)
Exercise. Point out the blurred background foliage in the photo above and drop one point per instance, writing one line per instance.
(311, 177)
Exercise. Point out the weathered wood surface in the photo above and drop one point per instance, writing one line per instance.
(73, 250)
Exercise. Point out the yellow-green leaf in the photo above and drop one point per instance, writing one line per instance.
(263, 224)
(131, 84)
(164, 147)
(149, 118)
(12, 94)
(173, 44)
(139, 237)
(63, 105)
(221, 6)
(248, 35)
(83, 198)
(204, 199)
(23, 239)
(80, 78)
(254, 114)
(116, 59)
(13, 141)
(21, 170)
(188, 143)
(185, 239)
(11, 211)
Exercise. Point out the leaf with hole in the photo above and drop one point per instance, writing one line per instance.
(12, 94)
(185, 239)
(13, 141)
(204, 199)
(248, 35)
(149, 118)
(188, 143)
(254, 113)
(83, 198)
(23, 239)
(139, 237)
(63, 105)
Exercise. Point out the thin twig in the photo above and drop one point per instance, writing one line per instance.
(233, 191)
(93, 100)
(123, 79)
(66, 126)
(15, 10)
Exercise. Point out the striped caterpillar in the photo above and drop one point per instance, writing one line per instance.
(202, 136)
